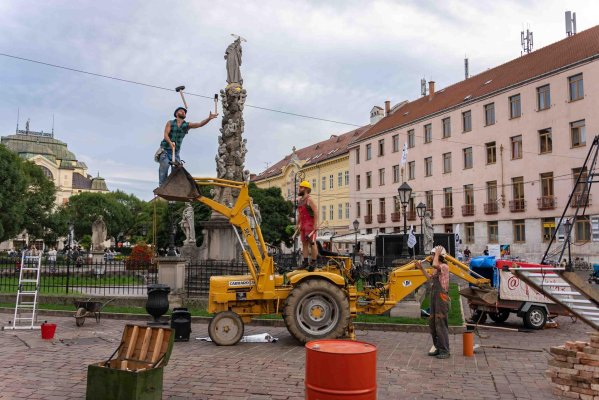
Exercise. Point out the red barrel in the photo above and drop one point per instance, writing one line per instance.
(48, 331)
(340, 369)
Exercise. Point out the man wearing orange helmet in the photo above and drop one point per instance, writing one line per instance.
(308, 222)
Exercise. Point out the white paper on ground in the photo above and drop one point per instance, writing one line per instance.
(258, 338)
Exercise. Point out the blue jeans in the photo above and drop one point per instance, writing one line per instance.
(165, 159)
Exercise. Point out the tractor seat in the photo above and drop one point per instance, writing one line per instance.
(325, 253)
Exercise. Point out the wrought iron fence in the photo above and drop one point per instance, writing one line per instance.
(67, 276)
(198, 274)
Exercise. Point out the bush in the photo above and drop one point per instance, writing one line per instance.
(140, 258)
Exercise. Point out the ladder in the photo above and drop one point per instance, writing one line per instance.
(564, 288)
(27, 294)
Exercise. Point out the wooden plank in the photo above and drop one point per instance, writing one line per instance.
(145, 344)
(157, 346)
(130, 346)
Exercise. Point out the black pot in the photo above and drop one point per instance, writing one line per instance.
(157, 304)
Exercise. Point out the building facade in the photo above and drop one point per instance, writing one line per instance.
(497, 154)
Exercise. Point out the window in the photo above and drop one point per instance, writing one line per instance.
(489, 114)
(446, 163)
(447, 197)
(543, 98)
(578, 133)
(382, 206)
(428, 166)
(428, 195)
(582, 229)
(331, 181)
(314, 184)
(357, 182)
(346, 210)
(340, 179)
(396, 174)
(381, 176)
(547, 184)
(331, 212)
(381, 147)
(519, 231)
(469, 195)
(545, 141)
(467, 121)
(340, 211)
(491, 191)
(412, 170)
(518, 188)
(468, 157)
(395, 139)
(324, 183)
(491, 153)
(346, 178)
(368, 151)
(469, 232)
(576, 87)
(516, 144)
(411, 139)
(358, 155)
(515, 107)
(548, 228)
(428, 133)
(358, 210)
(324, 213)
(446, 127)
(396, 204)
(579, 189)
(47, 172)
(493, 232)
(369, 208)
(368, 180)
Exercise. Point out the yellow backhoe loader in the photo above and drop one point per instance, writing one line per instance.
(314, 305)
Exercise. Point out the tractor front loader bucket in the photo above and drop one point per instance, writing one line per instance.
(488, 296)
(178, 186)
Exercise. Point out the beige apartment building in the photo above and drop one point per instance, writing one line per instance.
(496, 154)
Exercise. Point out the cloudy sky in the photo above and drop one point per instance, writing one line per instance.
(331, 59)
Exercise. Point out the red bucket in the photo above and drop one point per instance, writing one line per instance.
(48, 331)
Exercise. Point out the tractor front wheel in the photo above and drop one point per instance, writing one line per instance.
(316, 309)
(226, 328)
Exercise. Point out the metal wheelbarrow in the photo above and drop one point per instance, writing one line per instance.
(88, 308)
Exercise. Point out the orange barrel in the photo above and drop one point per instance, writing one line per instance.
(468, 344)
(340, 369)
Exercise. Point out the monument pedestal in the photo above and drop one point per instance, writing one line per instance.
(97, 257)
(220, 241)
(190, 251)
(171, 272)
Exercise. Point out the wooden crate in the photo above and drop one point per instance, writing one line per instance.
(137, 370)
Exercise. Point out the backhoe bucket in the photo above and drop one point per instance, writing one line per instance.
(488, 296)
(178, 186)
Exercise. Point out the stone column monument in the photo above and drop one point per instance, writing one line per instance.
(99, 232)
(220, 242)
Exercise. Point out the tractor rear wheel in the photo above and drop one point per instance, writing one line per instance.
(316, 309)
(226, 328)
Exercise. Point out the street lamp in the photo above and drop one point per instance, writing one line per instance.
(172, 229)
(356, 226)
(568, 227)
(421, 209)
(405, 192)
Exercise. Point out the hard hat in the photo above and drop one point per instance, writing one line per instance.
(443, 252)
(179, 108)
(306, 184)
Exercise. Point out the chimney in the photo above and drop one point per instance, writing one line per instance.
(387, 107)
(431, 89)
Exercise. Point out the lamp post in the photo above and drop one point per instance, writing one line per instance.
(405, 192)
(298, 177)
(568, 227)
(356, 226)
(421, 209)
(172, 229)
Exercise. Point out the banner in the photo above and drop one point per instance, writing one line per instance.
(512, 288)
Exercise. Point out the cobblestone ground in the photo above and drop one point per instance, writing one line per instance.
(32, 368)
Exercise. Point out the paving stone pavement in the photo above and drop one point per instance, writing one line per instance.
(32, 368)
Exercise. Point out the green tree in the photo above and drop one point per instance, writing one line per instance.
(39, 201)
(276, 214)
(14, 183)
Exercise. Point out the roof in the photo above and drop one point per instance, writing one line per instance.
(81, 182)
(29, 145)
(566, 52)
(335, 146)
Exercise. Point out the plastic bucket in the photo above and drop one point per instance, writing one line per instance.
(48, 331)
(468, 344)
(340, 369)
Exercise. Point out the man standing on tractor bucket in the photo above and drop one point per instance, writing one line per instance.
(174, 132)
(307, 221)
(439, 303)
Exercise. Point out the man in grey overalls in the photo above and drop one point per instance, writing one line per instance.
(439, 304)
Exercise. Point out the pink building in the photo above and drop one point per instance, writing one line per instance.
(496, 153)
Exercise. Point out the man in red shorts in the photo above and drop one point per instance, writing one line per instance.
(308, 223)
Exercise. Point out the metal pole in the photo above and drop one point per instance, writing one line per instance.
(171, 244)
(294, 217)
(421, 238)
(405, 231)
(355, 248)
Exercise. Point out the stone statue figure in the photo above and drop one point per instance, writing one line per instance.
(187, 224)
(233, 57)
(99, 232)
(428, 232)
(257, 214)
